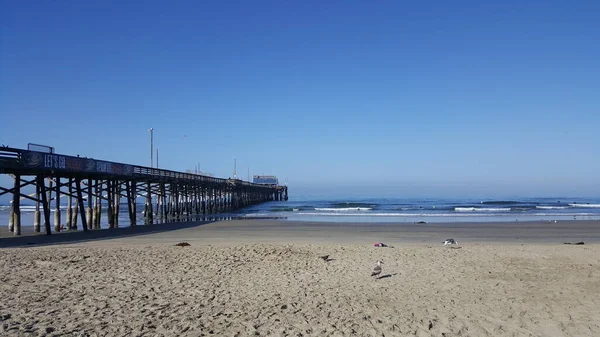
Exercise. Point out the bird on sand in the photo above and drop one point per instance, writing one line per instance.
(324, 257)
(377, 269)
(450, 242)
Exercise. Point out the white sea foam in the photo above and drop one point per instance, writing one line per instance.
(31, 209)
(347, 209)
(413, 215)
(475, 209)
(395, 214)
(550, 207)
(255, 215)
(585, 205)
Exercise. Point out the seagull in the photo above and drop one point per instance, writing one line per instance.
(450, 242)
(377, 269)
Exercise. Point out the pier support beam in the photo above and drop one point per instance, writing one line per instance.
(134, 195)
(198, 202)
(98, 205)
(80, 206)
(11, 218)
(203, 205)
(149, 210)
(70, 206)
(109, 204)
(130, 200)
(76, 208)
(117, 202)
(163, 202)
(16, 209)
(36, 215)
(41, 183)
(177, 198)
(57, 225)
(89, 215)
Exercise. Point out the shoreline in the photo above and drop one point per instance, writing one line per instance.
(306, 232)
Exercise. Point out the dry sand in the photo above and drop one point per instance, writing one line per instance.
(223, 285)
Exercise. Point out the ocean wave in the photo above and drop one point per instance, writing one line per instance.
(413, 215)
(475, 209)
(585, 205)
(418, 207)
(501, 202)
(346, 209)
(252, 215)
(284, 209)
(550, 207)
(522, 208)
(343, 205)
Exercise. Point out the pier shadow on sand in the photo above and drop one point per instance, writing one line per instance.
(32, 239)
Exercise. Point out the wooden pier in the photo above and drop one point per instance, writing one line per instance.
(86, 183)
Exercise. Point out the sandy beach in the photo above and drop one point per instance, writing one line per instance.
(265, 277)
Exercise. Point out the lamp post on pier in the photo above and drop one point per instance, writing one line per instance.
(149, 211)
(151, 146)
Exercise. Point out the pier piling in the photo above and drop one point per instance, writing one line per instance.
(69, 225)
(16, 206)
(57, 225)
(89, 215)
(45, 206)
(79, 205)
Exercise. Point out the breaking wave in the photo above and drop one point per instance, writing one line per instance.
(585, 205)
(476, 209)
(346, 209)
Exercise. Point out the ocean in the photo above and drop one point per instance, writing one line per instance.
(400, 210)
(410, 210)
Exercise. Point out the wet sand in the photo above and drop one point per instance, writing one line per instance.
(280, 231)
(290, 232)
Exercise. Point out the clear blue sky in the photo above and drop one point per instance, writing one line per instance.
(447, 97)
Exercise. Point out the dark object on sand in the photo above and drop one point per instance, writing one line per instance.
(450, 242)
(324, 257)
(183, 244)
(576, 243)
(422, 222)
